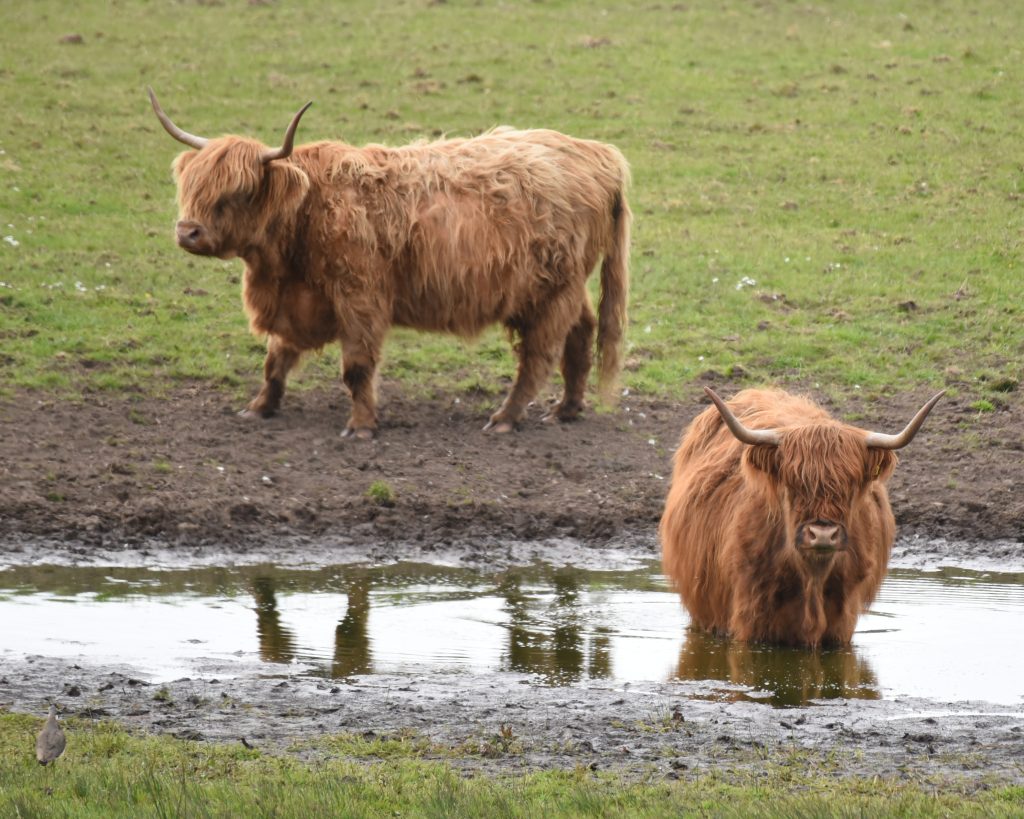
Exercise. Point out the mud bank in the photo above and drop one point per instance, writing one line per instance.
(181, 480)
(507, 723)
(627, 551)
(185, 470)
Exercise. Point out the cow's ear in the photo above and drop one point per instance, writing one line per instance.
(286, 186)
(181, 162)
(763, 458)
(879, 464)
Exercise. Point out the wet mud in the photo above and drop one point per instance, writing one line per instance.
(183, 469)
(508, 723)
(181, 480)
(556, 702)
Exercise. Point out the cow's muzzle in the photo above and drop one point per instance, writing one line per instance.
(193, 237)
(821, 536)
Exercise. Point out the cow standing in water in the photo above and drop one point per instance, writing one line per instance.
(777, 526)
(341, 243)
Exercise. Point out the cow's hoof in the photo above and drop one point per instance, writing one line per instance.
(248, 412)
(499, 427)
(561, 416)
(359, 433)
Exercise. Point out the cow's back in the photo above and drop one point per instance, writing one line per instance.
(461, 233)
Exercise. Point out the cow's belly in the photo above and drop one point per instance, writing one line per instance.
(462, 306)
(298, 315)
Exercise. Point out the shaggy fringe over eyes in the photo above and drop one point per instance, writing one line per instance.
(232, 169)
(826, 464)
(227, 167)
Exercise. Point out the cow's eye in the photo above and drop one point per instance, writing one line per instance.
(229, 202)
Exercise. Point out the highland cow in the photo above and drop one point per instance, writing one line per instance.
(777, 526)
(341, 243)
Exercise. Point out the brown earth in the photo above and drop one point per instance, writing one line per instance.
(184, 468)
(117, 476)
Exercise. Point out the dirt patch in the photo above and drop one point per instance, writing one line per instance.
(146, 477)
(185, 469)
(507, 723)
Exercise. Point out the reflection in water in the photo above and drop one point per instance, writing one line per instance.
(550, 640)
(547, 629)
(778, 675)
(940, 635)
(352, 653)
(277, 643)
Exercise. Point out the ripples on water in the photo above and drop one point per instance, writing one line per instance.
(948, 635)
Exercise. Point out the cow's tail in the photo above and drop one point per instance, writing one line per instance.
(611, 312)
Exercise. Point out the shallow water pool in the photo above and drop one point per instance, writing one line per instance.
(950, 635)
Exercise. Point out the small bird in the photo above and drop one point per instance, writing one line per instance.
(51, 741)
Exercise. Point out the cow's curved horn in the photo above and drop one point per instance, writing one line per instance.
(879, 440)
(742, 433)
(285, 150)
(182, 136)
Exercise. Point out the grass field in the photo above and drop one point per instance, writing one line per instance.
(110, 773)
(826, 193)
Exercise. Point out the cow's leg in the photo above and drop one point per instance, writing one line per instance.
(576, 360)
(276, 366)
(359, 372)
(542, 337)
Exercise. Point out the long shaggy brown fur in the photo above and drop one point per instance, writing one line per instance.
(340, 243)
(730, 527)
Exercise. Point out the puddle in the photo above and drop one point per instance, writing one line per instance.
(950, 635)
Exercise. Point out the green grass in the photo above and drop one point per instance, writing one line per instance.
(859, 162)
(824, 193)
(381, 493)
(107, 772)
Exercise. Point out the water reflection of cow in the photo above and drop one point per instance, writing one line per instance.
(549, 641)
(277, 643)
(552, 643)
(778, 675)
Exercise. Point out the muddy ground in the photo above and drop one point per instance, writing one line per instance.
(185, 469)
(129, 479)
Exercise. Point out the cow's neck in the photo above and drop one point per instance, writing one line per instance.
(815, 619)
(263, 266)
(269, 267)
(813, 575)
(280, 254)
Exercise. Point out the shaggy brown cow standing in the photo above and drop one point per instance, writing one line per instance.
(340, 243)
(777, 526)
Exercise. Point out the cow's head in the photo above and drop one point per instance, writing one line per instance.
(818, 469)
(233, 193)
